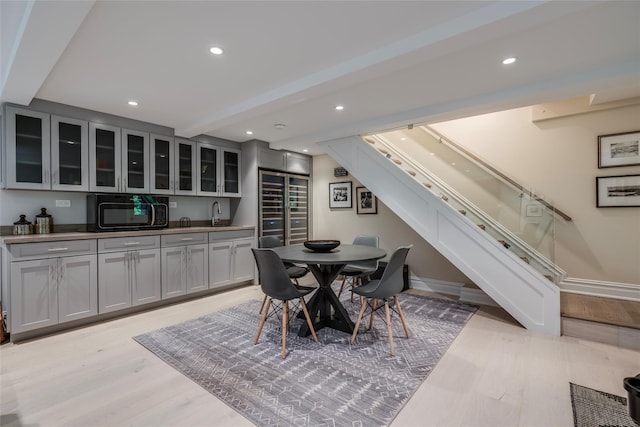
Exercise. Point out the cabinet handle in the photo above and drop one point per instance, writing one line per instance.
(46, 176)
(55, 177)
(61, 270)
(131, 243)
(186, 239)
(52, 272)
(124, 184)
(57, 249)
(118, 184)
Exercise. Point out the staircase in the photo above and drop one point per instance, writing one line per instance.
(508, 269)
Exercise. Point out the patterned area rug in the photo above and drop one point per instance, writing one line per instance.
(329, 383)
(594, 408)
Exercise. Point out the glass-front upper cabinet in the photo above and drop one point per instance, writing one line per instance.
(28, 149)
(207, 157)
(219, 171)
(185, 166)
(104, 158)
(230, 173)
(135, 165)
(69, 154)
(161, 164)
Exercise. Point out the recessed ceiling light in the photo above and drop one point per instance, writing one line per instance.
(403, 139)
(509, 61)
(133, 103)
(216, 50)
(339, 107)
(249, 132)
(304, 150)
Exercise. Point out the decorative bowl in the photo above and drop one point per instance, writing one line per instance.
(322, 245)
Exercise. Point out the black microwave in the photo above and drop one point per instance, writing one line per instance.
(122, 212)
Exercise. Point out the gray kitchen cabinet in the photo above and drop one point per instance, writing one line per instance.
(105, 166)
(185, 264)
(69, 154)
(52, 283)
(135, 161)
(46, 152)
(230, 257)
(128, 272)
(219, 171)
(27, 149)
(185, 167)
(118, 159)
(284, 161)
(161, 164)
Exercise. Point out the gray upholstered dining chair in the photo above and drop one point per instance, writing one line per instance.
(295, 271)
(277, 285)
(385, 289)
(355, 272)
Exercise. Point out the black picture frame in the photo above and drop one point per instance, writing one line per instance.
(621, 191)
(619, 149)
(340, 195)
(366, 201)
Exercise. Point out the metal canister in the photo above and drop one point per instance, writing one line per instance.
(44, 222)
(22, 226)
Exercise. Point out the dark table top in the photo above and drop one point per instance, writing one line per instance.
(343, 254)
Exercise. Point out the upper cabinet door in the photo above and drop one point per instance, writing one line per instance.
(230, 173)
(104, 158)
(69, 154)
(208, 178)
(161, 164)
(135, 161)
(185, 166)
(28, 149)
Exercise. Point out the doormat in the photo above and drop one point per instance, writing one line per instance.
(327, 383)
(594, 408)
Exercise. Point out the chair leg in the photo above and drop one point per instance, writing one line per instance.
(306, 315)
(264, 300)
(344, 279)
(363, 306)
(386, 309)
(374, 305)
(404, 323)
(264, 319)
(285, 323)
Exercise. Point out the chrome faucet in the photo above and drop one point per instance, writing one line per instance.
(214, 220)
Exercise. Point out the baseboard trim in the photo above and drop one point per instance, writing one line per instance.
(434, 285)
(597, 288)
(465, 294)
(476, 296)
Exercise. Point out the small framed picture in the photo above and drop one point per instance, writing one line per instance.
(618, 191)
(340, 195)
(619, 149)
(367, 203)
(534, 210)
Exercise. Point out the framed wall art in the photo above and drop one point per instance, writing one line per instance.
(340, 195)
(619, 149)
(366, 202)
(618, 191)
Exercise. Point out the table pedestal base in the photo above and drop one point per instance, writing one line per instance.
(324, 307)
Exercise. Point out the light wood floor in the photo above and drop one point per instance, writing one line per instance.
(494, 374)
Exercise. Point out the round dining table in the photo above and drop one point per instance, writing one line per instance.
(324, 306)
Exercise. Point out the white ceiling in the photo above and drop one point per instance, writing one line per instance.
(390, 63)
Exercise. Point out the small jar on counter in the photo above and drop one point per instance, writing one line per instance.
(44, 222)
(22, 226)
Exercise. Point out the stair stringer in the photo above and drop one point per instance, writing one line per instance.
(522, 291)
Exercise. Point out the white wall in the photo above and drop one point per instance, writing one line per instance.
(559, 157)
(345, 224)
